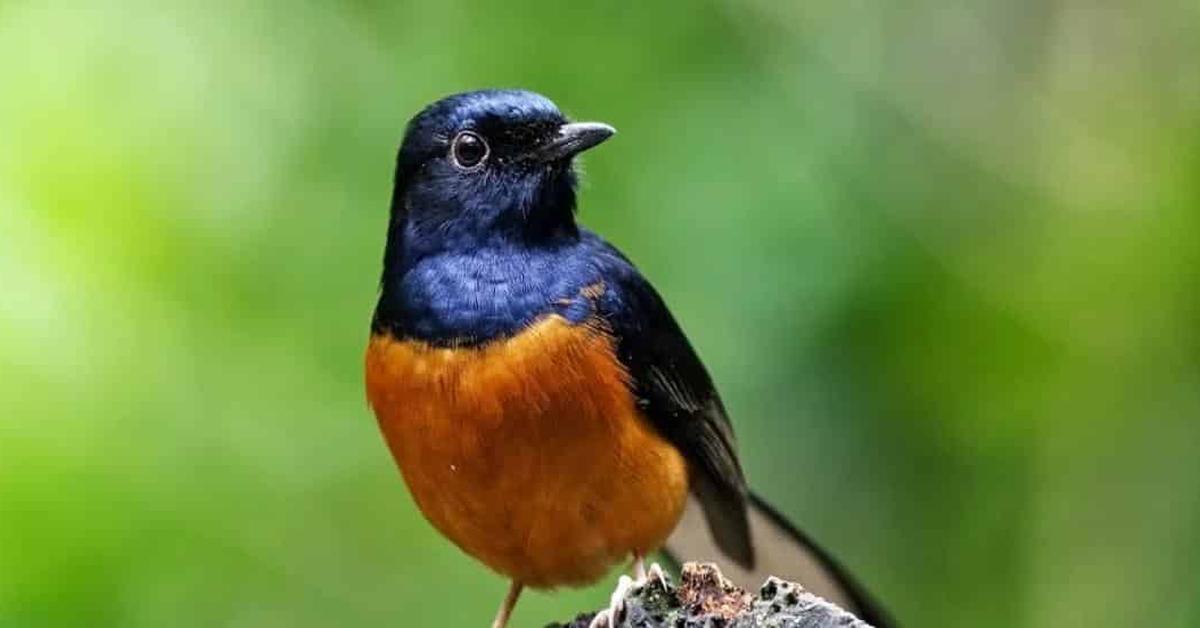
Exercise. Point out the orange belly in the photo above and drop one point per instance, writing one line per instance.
(528, 453)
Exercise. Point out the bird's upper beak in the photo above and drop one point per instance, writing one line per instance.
(572, 139)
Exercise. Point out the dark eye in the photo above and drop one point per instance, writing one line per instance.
(468, 150)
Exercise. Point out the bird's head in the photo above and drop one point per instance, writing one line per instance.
(488, 166)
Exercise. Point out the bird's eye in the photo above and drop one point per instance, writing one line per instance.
(468, 150)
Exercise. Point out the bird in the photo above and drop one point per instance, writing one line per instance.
(544, 407)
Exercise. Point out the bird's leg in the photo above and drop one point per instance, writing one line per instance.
(506, 607)
(639, 567)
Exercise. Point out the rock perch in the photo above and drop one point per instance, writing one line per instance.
(705, 599)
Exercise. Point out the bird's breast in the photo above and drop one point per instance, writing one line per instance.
(456, 298)
(528, 452)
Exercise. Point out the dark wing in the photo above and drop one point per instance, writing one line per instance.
(676, 394)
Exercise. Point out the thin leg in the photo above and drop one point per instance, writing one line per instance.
(506, 608)
(639, 568)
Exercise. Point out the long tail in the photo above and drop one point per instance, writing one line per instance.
(781, 550)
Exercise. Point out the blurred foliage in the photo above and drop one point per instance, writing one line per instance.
(942, 258)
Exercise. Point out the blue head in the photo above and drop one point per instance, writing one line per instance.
(486, 167)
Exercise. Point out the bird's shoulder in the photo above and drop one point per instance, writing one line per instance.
(648, 335)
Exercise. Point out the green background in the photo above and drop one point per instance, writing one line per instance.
(943, 260)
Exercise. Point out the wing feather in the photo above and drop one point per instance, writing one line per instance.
(676, 394)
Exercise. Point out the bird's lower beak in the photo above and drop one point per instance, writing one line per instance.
(572, 139)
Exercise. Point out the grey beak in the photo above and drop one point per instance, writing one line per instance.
(572, 139)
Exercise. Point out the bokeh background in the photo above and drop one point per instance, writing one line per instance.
(943, 260)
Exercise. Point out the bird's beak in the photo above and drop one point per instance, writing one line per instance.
(572, 139)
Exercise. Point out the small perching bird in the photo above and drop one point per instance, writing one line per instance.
(545, 409)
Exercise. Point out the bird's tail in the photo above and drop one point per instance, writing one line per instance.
(780, 549)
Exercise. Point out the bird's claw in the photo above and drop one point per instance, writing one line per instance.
(611, 616)
(656, 573)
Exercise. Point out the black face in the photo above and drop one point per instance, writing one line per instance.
(485, 166)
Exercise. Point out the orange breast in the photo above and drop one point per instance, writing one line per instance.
(528, 453)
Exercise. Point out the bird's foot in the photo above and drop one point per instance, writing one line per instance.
(612, 616)
(656, 573)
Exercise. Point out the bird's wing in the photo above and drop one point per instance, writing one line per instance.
(675, 393)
